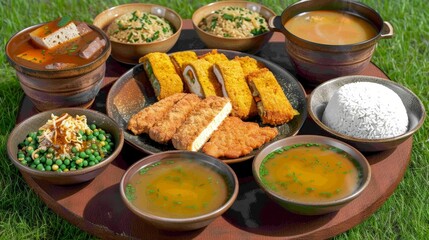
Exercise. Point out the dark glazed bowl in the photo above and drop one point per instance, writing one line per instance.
(50, 89)
(249, 44)
(321, 95)
(33, 123)
(182, 224)
(315, 62)
(130, 53)
(303, 208)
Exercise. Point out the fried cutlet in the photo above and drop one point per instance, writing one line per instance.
(164, 130)
(235, 138)
(200, 79)
(201, 123)
(248, 64)
(179, 59)
(234, 86)
(214, 56)
(162, 75)
(142, 121)
(273, 106)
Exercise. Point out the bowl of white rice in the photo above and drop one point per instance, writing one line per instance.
(370, 113)
(137, 29)
(233, 25)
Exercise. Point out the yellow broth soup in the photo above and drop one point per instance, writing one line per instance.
(330, 27)
(311, 173)
(177, 188)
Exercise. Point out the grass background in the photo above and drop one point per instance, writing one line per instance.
(404, 58)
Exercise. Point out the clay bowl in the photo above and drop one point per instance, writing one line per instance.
(316, 63)
(189, 223)
(50, 89)
(247, 44)
(19, 133)
(312, 208)
(321, 95)
(130, 53)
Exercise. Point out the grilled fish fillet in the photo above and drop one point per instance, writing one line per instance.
(200, 79)
(201, 123)
(273, 106)
(234, 86)
(142, 121)
(162, 74)
(164, 130)
(235, 138)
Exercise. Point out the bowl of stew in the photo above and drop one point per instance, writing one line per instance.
(60, 63)
(330, 38)
(310, 174)
(179, 190)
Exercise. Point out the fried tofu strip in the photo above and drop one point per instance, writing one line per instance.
(273, 106)
(179, 59)
(234, 86)
(214, 56)
(164, 130)
(201, 123)
(235, 138)
(200, 78)
(162, 74)
(142, 121)
(249, 64)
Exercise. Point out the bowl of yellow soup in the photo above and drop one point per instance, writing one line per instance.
(311, 175)
(179, 190)
(330, 38)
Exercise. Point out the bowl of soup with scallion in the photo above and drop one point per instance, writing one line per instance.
(329, 39)
(311, 175)
(179, 190)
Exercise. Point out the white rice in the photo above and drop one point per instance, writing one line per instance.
(366, 110)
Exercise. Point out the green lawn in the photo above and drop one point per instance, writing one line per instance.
(405, 58)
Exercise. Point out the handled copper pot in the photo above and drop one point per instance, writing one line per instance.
(317, 63)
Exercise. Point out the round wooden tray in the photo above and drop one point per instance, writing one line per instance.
(96, 206)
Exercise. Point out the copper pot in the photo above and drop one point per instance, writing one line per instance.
(317, 63)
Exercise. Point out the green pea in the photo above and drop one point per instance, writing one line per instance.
(73, 169)
(74, 150)
(72, 164)
(101, 137)
(90, 137)
(21, 155)
(98, 158)
(40, 167)
(36, 161)
(51, 150)
(33, 165)
(94, 146)
(28, 159)
(91, 163)
(49, 155)
(79, 161)
(59, 170)
(67, 162)
(48, 162)
(42, 159)
(55, 167)
(96, 161)
(96, 154)
(85, 163)
(62, 167)
(48, 168)
(88, 151)
(92, 126)
(82, 155)
(24, 162)
(58, 162)
(91, 158)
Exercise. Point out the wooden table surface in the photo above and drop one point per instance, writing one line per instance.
(96, 206)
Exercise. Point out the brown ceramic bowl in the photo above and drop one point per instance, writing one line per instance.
(19, 133)
(50, 89)
(131, 52)
(249, 44)
(315, 62)
(321, 95)
(182, 224)
(305, 208)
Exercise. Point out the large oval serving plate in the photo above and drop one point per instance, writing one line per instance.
(133, 92)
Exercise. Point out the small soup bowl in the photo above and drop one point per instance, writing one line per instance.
(245, 44)
(319, 98)
(51, 89)
(316, 62)
(312, 208)
(130, 53)
(188, 223)
(32, 124)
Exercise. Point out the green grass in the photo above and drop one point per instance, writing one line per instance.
(405, 215)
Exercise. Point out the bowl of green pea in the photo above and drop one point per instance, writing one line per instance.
(65, 146)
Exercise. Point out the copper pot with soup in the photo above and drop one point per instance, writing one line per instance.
(59, 63)
(330, 38)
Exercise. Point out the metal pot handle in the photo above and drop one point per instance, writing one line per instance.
(387, 31)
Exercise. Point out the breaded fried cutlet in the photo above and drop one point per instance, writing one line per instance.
(164, 130)
(234, 86)
(235, 138)
(200, 79)
(273, 106)
(201, 123)
(248, 64)
(179, 59)
(142, 121)
(161, 74)
(214, 56)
